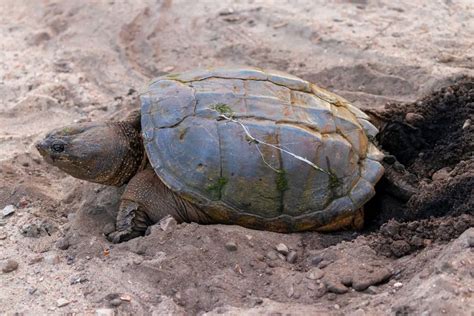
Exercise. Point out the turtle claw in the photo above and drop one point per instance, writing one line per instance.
(121, 235)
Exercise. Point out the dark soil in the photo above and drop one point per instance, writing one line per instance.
(428, 135)
(432, 144)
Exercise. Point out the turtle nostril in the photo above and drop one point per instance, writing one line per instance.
(40, 145)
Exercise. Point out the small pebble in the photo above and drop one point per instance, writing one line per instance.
(32, 290)
(359, 312)
(346, 280)
(231, 246)
(35, 259)
(315, 274)
(62, 302)
(9, 266)
(8, 210)
(316, 260)
(335, 286)
(115, 302)
(3, 236)
(272, 255)
(282, 248)
(104, 312)
(168, 223)
(372, 290)
(52, 259)
(62, 243)
(323, 264)
(470, 240)
(466, 124)
(390, 159)
(441, 174)
(108, 228)
(137, 261)
(331, 296)
(398, 285)
(292, 256)
(413, 118)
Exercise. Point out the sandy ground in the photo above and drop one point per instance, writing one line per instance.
(67, 61)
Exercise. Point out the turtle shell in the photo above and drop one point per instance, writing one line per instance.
(259, 148)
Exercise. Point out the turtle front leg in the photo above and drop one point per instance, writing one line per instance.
(146, 201)
(131, 222)
(141, 206)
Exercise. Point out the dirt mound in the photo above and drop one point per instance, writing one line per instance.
(399, 239)
(432, 170)
(433, 133)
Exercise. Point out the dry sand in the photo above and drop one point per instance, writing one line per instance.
(68, 61)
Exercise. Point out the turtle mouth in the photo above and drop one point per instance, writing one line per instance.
(43, 148)
(46, 150)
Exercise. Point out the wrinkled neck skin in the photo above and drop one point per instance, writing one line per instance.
(126, 159)
(108, 153)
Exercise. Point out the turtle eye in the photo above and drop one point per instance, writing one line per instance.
(57, 148)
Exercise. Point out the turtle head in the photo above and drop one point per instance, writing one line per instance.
(107, 153)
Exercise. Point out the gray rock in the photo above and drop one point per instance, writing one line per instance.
(8, 210)
(9, 266)
(3, 235)
(231, 246)
(315, 260)
(282, 248)
(292, 256)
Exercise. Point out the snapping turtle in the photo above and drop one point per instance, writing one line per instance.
(256, 148)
